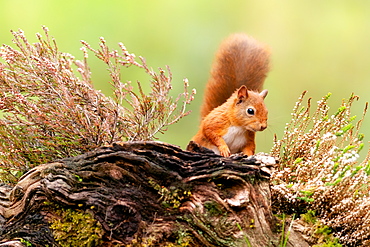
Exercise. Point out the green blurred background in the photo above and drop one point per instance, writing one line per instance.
(319, 46)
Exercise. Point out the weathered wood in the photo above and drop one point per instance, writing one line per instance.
(148, 190)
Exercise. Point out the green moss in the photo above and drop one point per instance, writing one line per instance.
(25, 242)
(181, 237)
(75, 228)
(213, 208)
(184, 244)
(309, 217)
(320, 232)
(171, 197)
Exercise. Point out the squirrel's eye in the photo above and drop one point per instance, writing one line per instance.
(250, 111)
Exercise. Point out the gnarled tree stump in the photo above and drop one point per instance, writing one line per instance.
(147, 192)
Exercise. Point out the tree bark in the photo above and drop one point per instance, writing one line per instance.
(147, 192)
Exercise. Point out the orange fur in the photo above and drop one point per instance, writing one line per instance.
(241, 63)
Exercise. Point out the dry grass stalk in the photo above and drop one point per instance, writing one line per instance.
(319, 170)
(49, 108)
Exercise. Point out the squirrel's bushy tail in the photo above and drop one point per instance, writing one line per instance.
(240, 60)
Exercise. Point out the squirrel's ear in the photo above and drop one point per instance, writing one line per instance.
(242, 93)
(264, 93)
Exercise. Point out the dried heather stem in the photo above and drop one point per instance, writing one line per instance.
(49, 108)
(319, 169)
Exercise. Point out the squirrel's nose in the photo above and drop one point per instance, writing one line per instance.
(263, 127)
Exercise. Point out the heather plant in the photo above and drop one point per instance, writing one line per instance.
(319, 170)
(49, 108)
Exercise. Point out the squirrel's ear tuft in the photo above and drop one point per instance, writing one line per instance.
(264, 93)
(242, 93)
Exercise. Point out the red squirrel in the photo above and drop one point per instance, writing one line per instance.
(233, 109)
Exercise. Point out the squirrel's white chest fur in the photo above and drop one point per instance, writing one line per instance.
(235, 138)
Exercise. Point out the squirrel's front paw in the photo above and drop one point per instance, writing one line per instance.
(224, 151)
